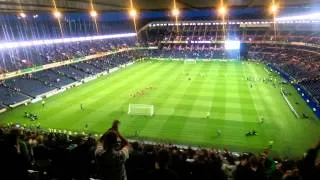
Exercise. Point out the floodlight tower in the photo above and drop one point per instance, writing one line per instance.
(133, 14)
(94, 15)
(57, 14)
(223, 12)
(175, 12)
(22, 15)
(274, 8)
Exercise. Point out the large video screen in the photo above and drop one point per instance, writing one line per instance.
(232, 45)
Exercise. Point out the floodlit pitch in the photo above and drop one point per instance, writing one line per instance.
(208, 103)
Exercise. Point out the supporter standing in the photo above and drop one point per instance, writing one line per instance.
(110, 157)
(14, 163)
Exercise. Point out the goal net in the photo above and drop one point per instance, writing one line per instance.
(190, 61)
(141, 109)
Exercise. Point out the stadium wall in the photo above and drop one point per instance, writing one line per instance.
(183, 59)
(20, 103)
(307, 97)
(3, 110)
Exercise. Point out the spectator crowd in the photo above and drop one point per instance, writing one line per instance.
(32, 153)
(23, 88)
(300, 63)
(22, 58)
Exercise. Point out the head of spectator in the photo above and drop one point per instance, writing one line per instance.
(253, 162)
(40, 139)
(115, 125)
(162, 170)
(11, 140)
(162, 159)
(110, 140)
(111, 157)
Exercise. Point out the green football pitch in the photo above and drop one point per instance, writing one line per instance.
(183, 95)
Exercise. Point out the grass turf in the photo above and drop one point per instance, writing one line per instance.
(181, 106)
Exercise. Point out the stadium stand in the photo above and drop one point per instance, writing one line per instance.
(86, 67)
(102, 63)
(313, 87)
(290, 60)
(304, 69)
(210, 31)
(295, 53)
(2, 107)
(10, 96)
(72, 72)
(52, 30)
(51, 77)
(30, 152)
(20, 58)
(30, 86)
(20, 89)
(54, 155)
(193, 52)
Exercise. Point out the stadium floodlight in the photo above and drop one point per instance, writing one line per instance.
(232, 45)
(312, 16)
(93, 13)
(22, 15)
(175, 12)
(133, 13)
(10, 45)
(57, 14)
(222, 11)
(274, 8)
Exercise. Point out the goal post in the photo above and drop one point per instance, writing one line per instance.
(141, 109)
(190, 61)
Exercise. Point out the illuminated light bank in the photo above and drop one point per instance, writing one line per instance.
(17, 44)
(313, 16)
(232, 45)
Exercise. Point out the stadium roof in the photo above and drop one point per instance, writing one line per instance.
(116, 5)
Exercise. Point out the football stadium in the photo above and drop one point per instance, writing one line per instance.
(170, 89)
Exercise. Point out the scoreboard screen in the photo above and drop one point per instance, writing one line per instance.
(232, 45)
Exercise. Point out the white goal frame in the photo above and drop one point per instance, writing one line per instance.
(141, 106)
(190, 61)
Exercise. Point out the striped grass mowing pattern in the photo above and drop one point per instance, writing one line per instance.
(192, 102)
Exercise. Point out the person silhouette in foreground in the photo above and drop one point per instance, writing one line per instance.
(162, 170)
(111, 154)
